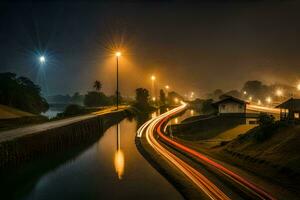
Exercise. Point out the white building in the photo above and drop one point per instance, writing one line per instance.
(229, 104)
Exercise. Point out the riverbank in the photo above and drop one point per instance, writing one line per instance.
(21, 145)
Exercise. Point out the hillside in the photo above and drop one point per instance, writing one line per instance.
(280, 146)
(7, 112)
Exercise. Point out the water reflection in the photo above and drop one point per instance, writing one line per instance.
(119, 155)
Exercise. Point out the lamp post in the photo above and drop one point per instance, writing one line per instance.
(118, 54)
(153, 78)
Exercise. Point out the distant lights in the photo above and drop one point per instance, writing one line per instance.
(153, 78)
(279, 92)
(268, 99)
(259, 102)
(298, 86)
(245, 92)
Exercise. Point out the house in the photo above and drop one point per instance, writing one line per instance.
(229, 104)
(290, 109)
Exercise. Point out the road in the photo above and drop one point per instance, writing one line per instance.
(155, 127)
(20, 132)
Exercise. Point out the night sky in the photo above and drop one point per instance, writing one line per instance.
(190, 46)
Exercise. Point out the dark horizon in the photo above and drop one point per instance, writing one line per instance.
(189, 46)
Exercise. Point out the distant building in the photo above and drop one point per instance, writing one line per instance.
(229, 104)
(290, 109)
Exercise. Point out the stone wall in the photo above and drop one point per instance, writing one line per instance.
(36, 145)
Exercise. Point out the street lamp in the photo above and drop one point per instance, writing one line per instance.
(245, 92)
(153, 78)
(269, 100)
(298, 87)
(42, 59)
(279, 92)
(259, 102)
(176, 100)
(118, 54)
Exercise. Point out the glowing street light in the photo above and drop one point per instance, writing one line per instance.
(298, 86)
(167, 87)
(153, 78)
(250, 98)
(245, 92)
(279, 92)
(268, 100)
(118, 54)
(42, 59)
(153, 99)
(176, 100)
(259, 102)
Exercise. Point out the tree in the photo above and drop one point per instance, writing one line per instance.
(215, 94)
(142, 98)
(95, 99)
(162, 96)
(77, 98)
(21, 93)
(97, 85)
(256, 89)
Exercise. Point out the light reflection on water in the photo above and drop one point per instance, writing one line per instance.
(94, 173)
(119, 155)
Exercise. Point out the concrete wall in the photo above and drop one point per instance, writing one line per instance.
(36, 145)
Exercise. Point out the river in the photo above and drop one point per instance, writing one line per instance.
(111, 168)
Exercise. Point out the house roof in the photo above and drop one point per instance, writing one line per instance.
(291, 104)
(227, 98)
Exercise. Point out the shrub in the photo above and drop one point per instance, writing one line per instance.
(72, 110)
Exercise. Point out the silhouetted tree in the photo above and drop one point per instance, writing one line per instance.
(77, 98)
(162, 96)
(256, 89)
(142, 98)
(97, 85)
(22, 93)
(95, 99)
(215, 94)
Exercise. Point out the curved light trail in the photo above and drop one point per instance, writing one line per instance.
(211, 190)
(157, 125)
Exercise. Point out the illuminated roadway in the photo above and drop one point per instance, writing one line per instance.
(157, 125)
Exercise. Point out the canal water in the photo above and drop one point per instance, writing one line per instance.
(111, 168)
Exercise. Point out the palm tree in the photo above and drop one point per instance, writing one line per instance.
(97, 85)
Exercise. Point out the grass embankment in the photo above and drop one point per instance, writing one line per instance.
(7, 112)
(277, 147)
(271, 153)
(14, 118)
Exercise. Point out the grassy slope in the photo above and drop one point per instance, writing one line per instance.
(7, 112)
(281, 148)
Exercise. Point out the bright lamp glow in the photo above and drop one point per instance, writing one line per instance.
(42, 59)
(153, 77)
(298, 86)
(279, 92)
(118, 54)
